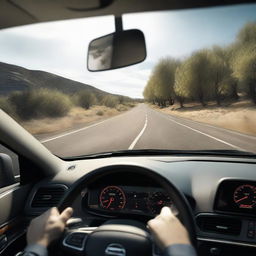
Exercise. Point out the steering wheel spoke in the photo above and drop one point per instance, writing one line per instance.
(75, 240)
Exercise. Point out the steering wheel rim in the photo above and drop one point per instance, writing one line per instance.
(178, 199)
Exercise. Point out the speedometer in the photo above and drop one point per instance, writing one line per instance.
(112, 198)
(245, 196)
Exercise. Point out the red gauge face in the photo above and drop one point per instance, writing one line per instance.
(157, 201)
(112, 198)
(245, 196)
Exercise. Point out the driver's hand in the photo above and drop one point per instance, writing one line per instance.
(167, 229)
(48, 226)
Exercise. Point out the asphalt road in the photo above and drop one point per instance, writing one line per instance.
(145, 128)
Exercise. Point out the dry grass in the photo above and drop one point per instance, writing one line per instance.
(75, 117)
(239, 116)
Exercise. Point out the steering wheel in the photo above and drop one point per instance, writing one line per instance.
(121, 237)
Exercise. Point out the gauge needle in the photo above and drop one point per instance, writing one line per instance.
(111, 199)
(160, 202)
(241, 199)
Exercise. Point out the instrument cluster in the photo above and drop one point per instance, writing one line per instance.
(115, 199)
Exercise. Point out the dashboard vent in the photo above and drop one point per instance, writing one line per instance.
(47, 197)
(220, 225)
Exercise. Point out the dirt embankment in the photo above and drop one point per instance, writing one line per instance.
(239, 116)
(75, 117)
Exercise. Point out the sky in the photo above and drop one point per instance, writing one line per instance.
(61, 47)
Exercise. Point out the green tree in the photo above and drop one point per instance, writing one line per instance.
(182, 82)
(244, 60)
(149, 91)
(193, 78)
(162, 81)
(208, 74)
(245, 69)
(247, 35)
(233, 80)
(220, 72)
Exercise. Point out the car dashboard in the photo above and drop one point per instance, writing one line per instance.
(220, 190)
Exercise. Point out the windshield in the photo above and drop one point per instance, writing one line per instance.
(196, 90)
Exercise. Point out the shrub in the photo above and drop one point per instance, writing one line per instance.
(85, 99)
(130, 104)
(121, 107)
(122, 99)
(6, 106)
(110, 101)
(99, 97)
(40, 103)
(100, 113)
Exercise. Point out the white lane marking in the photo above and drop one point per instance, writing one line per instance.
(205, 134)
(217, 127)
(78, 130)
(68, 133)
(17, 176)
(140, 134)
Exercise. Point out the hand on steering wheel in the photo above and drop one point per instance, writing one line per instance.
(167, 230)
(129, 237)
(48, 227)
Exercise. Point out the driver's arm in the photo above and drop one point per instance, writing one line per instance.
(170, 235)
(45, 229)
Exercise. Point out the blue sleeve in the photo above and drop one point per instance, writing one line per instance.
(180, 250)
(36, 250)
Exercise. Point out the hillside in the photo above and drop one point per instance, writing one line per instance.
(15, 78)
(47, 103)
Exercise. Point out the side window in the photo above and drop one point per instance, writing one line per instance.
(9, 167)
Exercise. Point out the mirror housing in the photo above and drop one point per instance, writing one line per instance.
(116, 50)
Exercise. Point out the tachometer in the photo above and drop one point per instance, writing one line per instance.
(112, 198)
(245, 196)
(157, 201)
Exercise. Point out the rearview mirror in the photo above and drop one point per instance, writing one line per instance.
(116, 50)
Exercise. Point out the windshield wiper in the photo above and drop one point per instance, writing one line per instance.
(161, 152)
